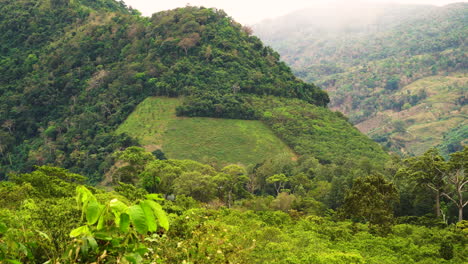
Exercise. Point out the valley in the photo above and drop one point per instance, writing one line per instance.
(373, 56)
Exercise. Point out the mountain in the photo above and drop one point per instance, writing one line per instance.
(71, 72)
(99, 105)
(398, 71)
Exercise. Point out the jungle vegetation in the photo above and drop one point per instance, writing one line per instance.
(78, 184)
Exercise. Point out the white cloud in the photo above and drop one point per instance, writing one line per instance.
(252, 11)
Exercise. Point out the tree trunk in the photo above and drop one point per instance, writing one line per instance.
(460, 200)
(460, 214)
(437, 204)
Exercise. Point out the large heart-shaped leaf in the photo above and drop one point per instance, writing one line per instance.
(159, 213)
(124, 222)
(93, 211)
(149, 214)
(80, 231)
(138, 218)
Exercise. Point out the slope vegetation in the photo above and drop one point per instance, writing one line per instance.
(72, 71)
(155, 124)
(427, 122)
(365, 56)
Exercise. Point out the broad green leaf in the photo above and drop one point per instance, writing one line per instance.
(117, 206)
(92, 243)
(150, 219)
(12, 261)
(160, 214)
(117, 218)
(93, 211)
(102, 219)
(153, 196)
(137, 215)
(84, 195)
(133, 258)
(103, 236)
(84, 247)
(82, 230)
(124, 222)
(83, 198)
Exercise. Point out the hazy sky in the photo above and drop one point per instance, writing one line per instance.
(252, 11)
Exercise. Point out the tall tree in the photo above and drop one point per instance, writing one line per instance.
(457, 180)
(427, 170)
(371, 199)
(133, 161)
(159, 176)
(231, 181)
(199, 186)
(189, 42)
(279, 181)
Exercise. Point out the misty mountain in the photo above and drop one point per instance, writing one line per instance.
(365, 55)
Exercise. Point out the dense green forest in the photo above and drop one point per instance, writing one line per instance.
(82, 68)
(282, 209)
(96, 103)
(370, 59)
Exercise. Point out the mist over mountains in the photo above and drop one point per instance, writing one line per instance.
(365, 55)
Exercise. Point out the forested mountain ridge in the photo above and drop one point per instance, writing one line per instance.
(366, 55)
(72, 71)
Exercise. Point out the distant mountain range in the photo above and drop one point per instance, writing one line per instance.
(399, 72)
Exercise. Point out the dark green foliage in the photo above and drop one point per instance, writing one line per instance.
(392, 84)
(446, 251)
(71, 73)
(130, 191)
(428, 171)
(445, 179)
(216, 105)
(316, 131)
(159, 154)
(134, 160)
(50, 181)
(371, 199)
(37, 225)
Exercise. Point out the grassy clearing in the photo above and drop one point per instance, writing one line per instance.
(149, 121)
(213, 140)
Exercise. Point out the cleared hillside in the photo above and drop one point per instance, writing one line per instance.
(427, 122)
(155, 124)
